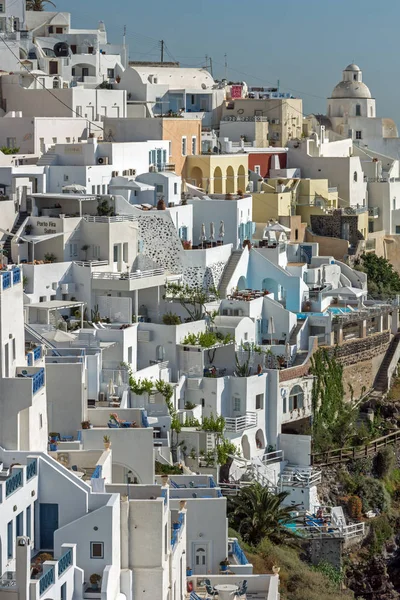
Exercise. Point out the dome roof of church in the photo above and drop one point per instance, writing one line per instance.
(352, 67)
(351, 89)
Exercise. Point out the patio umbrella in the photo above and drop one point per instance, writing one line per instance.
(212, 231)
(119, 378)
(75, 188)
(271, 327)
(203, 235)
(277, 227)
(111, 388)
(347, 292)
(221, 230)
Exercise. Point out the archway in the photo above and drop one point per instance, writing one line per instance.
(160, 353)
(296, 398)
(218, 183)
(246, 447)
(260, 439)
(123, 474)
(270, 285)
(230, 180)
(196, 176)
(242, 178)
(242, 283)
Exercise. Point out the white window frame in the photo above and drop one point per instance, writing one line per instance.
(184, 145)
(257, 169)
(237, 403)
(358, 135)
(102, 551)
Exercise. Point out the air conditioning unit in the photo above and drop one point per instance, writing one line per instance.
(275, 121)
(102, 160)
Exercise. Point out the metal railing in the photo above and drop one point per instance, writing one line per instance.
(116, 219)
(38, 381)
(14, 482)
(46, 580)
(239, 554)
(273, 457)
(91, 263)
(300, 479)
(31, 469)
(123, 276)
(237, 424)
(65, 562)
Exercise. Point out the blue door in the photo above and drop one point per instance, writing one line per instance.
(20, 524)
(48, 525)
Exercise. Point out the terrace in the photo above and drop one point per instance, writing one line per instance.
(10, 278)
(86, 464)
(17, 477)
(259, 587)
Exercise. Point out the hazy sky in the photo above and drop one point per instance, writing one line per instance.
(304, 43)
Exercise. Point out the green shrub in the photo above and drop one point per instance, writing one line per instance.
(381, 531)
(384, 462)
(171, 319)
(354, 506)
(373, 494)
(360, 466)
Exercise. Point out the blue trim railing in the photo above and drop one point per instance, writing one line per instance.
(176, 528)
(194, 596)
(65, 562)
(97, 473)
(37, 353)
(212, 482)
(29, 359)
(6, 280)
(164, 495)
(239, 554)
(14, 482)
(46, 580)
(38, 381)
(31, 469)
(16, 275)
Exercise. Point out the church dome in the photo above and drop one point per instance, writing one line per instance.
(351, 89)
(353, 67)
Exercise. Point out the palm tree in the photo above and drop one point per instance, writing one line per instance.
(38, 5)
(256, 513)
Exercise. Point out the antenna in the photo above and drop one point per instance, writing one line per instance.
(226, 66)
(162, 50)
(211, 67)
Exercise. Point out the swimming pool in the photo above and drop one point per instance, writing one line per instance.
(340, 311)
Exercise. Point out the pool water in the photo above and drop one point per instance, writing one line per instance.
(339, 311)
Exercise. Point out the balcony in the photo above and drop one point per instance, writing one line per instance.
(10, 278)
(373, 212)
(17, 479)
(176, 530)
(238, 424)
(129, 281)
(34, 355)
(37, 376)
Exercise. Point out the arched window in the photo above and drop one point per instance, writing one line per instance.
(296, 234)
(371, 111)
(358, 110)
(355, 176)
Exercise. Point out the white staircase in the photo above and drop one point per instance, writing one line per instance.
(47, 159)
(228, 272)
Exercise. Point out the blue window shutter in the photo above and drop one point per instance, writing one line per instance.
(184, 233)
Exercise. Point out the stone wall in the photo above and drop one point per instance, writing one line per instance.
(361, 375)
(332, 225)
(361, 349)
(327, 549)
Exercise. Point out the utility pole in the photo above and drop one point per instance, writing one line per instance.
(162, 50)
(226, 66)
(206, 61)
(124, 47)
(211, 67)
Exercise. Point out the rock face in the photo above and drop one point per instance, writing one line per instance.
(371, 580)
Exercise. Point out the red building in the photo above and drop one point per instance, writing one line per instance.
(261, 162)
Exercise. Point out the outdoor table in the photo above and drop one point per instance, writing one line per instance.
(226, 591)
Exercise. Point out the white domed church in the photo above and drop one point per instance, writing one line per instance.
(352, 113)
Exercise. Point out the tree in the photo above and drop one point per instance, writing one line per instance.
(192, 299)
(38, 5)
(333, 418)
(383, 280)
(256, 513)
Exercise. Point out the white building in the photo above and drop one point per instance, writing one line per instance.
(164, 90)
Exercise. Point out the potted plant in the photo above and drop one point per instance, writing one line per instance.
(176, 525)
(85, 424)
(53, 444)
(107, 442)
(28, 229)
(161, 204)
(189, 571)
(95, 580)
(224, 564)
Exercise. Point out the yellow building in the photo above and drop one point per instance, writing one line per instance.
(274, 200)
(315, 197)
(285, 116)
(218, 173)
